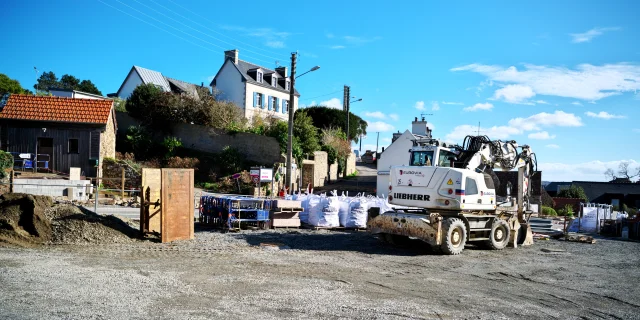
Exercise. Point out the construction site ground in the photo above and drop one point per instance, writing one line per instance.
(305, 274)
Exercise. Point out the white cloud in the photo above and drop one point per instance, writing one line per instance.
(394, 117)
(379, 126)
(518, 126)
(420, 105)
(337, 47)
(333, 103)
(435, 106)
(452, 103)
(541, 102)
(553, 146)
(636, 130)
(275, 44)
(495, 132)
(542, 135)
(386, 139)
(586, 82)
(330, 35)
(543, 119)
(587, 36)
(586, 171)
(576, 103)
(604, 115)
(359, 40)
(514, 93)
(375, 114)
(479, 106)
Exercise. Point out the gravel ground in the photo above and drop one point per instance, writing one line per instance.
(317, 275)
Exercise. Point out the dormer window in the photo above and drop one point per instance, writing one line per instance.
(286, 85)
(259, 76)
(274, 81)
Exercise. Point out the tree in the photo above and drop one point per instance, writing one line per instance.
(306, 133)
(45, 81)
(8, 85)
(574, 192)
(69, 82)
(88, 87)
(324, 117)
(142, 100)
(624, 171)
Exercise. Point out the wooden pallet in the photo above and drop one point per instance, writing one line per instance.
(297, 209)
(306, 226)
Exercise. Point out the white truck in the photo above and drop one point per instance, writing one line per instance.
(448, 196)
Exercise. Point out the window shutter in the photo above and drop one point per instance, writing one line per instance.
(255, 99)
(277, 106)
(270, 102)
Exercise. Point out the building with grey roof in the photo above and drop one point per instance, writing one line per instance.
(255, 89)
(138, 75)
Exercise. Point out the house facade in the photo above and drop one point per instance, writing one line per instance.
(138, 75)
(70, 93)
(256, 90)
(64, 132)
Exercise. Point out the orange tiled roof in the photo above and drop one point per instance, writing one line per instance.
(57, 109)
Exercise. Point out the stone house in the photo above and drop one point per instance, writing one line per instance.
(57, 133)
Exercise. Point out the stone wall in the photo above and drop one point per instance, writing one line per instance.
(320, 168)
(351, 163)
(113, 171)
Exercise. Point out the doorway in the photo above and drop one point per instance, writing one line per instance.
(45, 153)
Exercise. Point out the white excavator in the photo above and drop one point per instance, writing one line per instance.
(447, 198)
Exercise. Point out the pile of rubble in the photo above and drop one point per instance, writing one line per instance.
(27, 221)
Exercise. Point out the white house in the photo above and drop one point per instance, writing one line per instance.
(397, 154)
(255, 89)
(138, 75)
(69, 93)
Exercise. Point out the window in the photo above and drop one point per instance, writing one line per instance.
(73, 146)
(274, 81)
(259, 77)
(443, 158)
(422, 158)
(286, 85)
(258, 99)
(273, 102)
(285, 106)
(471, 187)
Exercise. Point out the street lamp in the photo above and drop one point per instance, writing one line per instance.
(291, 105)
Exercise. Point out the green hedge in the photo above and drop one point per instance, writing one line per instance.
(548, 211)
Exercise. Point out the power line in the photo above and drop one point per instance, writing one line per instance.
(231, 44)
(153, 25)
(172, 27)
(222, 34)
(324, 95)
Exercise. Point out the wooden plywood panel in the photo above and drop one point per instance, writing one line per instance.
(177, 204)
(150, 215)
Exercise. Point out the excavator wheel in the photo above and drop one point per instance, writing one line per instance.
(499, 236)
(454, 236)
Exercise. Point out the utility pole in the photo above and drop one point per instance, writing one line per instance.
(345, 105)
(377, 140)
(290, 105)
(36, 70)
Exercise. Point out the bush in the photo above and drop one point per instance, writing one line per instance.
(139, 140)
(230, 161)
(170, 145)
(185, 163)
(548, 211)
(574, 192)
(6, 162)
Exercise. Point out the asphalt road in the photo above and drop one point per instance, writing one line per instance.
(318, 275)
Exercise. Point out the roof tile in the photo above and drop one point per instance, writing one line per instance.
(60, 109)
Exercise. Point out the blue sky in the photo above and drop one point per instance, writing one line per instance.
(561, 76)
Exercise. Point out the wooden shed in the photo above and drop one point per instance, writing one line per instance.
(66, 132)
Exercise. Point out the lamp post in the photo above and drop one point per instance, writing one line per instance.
(291, 106)
(348, 112)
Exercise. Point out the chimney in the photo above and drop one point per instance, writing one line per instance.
(231, 54)
(420, 128)
(282, 71)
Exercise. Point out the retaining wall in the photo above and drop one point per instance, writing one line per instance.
(53, 187)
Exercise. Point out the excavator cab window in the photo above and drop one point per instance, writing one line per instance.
(471, 187)
(422, 158)
(445, 157)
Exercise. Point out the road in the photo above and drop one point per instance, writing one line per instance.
(364, 182)
(318, 275)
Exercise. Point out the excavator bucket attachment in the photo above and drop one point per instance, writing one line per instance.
(525, 235)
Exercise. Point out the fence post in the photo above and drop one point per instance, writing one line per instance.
(11, 181)
(122, 184)
(97, 193)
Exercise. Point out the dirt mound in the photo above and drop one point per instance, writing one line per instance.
(71, 225)
(22, 219)
(27, 221)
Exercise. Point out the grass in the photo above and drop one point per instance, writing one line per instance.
(352, 176)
